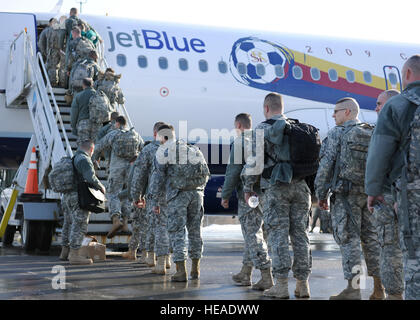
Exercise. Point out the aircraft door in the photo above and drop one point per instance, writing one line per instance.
(392, 78)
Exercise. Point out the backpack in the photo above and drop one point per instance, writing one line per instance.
(82, 69)
(190, 170)
(53, 40)
(126, 144)
(109, 87)
(353, 153)
(304, 147)
(61, 177)
(99, 107)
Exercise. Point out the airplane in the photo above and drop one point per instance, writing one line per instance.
(199, 78)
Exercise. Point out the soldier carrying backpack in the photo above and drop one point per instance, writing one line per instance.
(108, 82)
(342, 171)
(83, 68)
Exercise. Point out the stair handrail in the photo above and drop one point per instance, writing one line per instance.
(57, 110)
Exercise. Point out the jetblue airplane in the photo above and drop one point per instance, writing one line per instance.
(200, 78)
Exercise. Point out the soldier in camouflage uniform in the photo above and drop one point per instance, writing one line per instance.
(79, 217)
(108, 83)
(286, 203)
(388, 231)
(184, 205)
(55, 55)
(395, 142)
(156, 224)
(350, 229)
(42, 42)
(78, 49)
(81, 125)
(255, 251)
(118, 174)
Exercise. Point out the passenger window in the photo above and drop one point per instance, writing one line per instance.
(121, 60)
(350, 76)
(367, 76)
(142, 61)
(333, 75)
(393, 78)
(315, 74)
(183, 64)
(222, 67)
(260, 70)
(203, 65)
(279, 70)
(241, 68)
(297, 72)
(163, 63)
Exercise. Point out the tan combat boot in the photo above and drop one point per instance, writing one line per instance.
(143, 256)
(160, 267)
(302, 289)
(266, 281)
(195, 269)
(243, 278)
(75, 257)
(181, 272)
(394, 297)
(130, 254)
(348, 294)
(64, 253)
(279, 290)
(116, 226)
(168, 261)
(378, 290)
(125, 225)
(151, 259)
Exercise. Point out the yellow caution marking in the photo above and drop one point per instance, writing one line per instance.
(8, 212)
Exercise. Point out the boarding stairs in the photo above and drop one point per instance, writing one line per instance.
(50, 115)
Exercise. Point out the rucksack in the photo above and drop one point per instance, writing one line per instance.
(126, 144)
(53, 40)
(61, 177)
(109, 87)
(99, 107)
(353, 152)
(190, 170)
(82, 69)
(304, 147)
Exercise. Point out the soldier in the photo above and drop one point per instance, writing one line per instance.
(84, 68)
(108, 83)
(80, 218)
(255, 252)
(125, 145)
(352, 224)
(55, 55)
(78, 49)
(81, 124)
(42, 42)
(395, 142)
(156, 224)
(185, 175)
(286, 204)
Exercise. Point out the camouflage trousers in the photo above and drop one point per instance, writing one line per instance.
(160, 228)
(52, 65)
(286, 212)
(138, 226)
(116, 179)
(67, 213)
(79, 220)
(150, 227)
(255, 250)
(349, 236)
(87, 130)
(391, 265)
(411, 264)
(185, 212)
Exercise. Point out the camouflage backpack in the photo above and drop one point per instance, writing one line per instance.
(61, 177)
(110, 87)
(82, 69)
(99, 107)
(190, 170)
(353, 153)
(53, 41)
(83, 48)
(126, 144)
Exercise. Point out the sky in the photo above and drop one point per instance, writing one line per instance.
(381, 20)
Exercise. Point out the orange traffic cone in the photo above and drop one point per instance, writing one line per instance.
(31, 186)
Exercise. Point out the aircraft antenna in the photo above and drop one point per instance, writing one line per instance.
(81, 2)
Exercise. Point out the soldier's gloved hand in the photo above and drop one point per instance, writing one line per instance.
(323, 204)
(225, 203)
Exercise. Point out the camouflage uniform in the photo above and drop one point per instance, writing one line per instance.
(387, 143)
(78, 50)
(108, 83)
(66, 202)
(184, 207)
(255, 251)
(42, 42)
(286, 203)
(54, 55)
(118, 174)
(156, 231)
(348, 234)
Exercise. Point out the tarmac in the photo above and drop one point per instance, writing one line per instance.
(44, 277)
